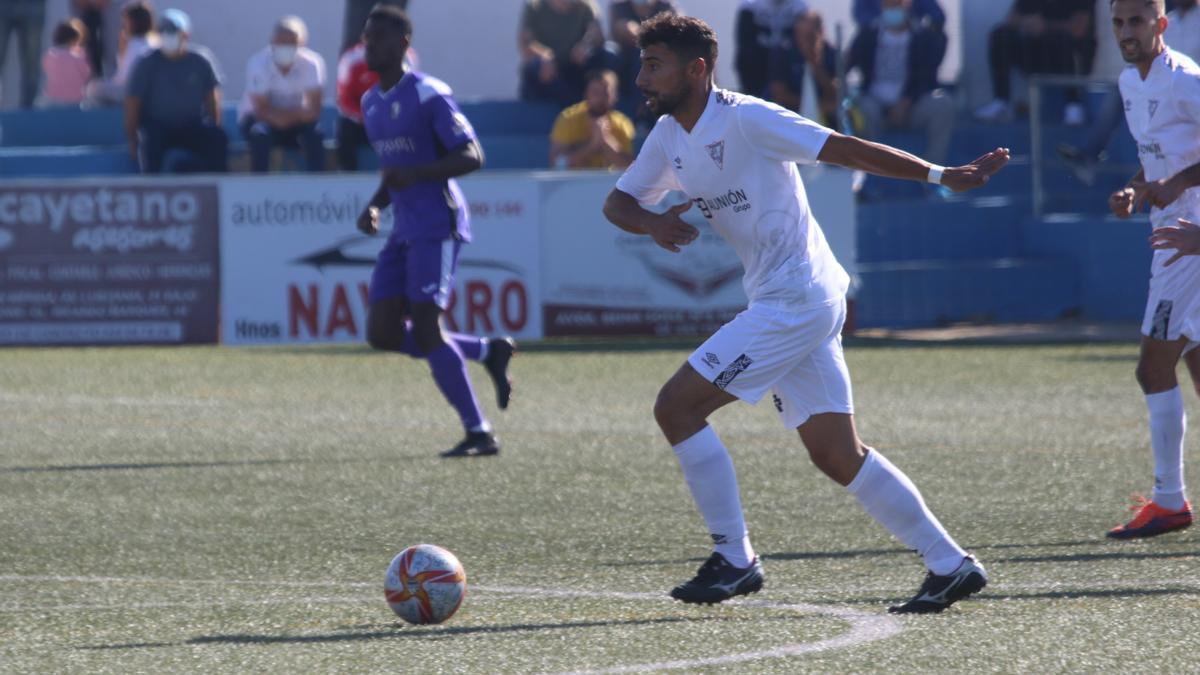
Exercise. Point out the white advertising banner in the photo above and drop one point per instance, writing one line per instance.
(600, 280)
(295, 269)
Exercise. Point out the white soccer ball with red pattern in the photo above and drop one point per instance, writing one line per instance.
(425, 584)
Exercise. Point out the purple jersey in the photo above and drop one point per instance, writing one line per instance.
(417, 122)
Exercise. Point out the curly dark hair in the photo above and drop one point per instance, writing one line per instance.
(686, 36)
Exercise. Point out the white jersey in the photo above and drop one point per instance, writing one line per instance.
(738, 165)
(1163, 112)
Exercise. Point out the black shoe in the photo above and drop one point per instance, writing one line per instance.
(500, 352)
(476, 444)
(939, 592)
(718, 581)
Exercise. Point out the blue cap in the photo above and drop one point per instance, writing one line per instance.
(174, 21)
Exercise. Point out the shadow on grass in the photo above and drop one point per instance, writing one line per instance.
(1101, 556)
(1063, 594)
(399, 630)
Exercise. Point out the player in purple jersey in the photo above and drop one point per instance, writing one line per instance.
(424, 142)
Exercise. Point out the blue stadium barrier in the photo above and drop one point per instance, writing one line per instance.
(66, 126)
(66, 161)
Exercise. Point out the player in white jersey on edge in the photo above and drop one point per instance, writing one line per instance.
(1161, 89)
(735, 156)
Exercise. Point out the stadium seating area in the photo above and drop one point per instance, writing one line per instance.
(921, 261)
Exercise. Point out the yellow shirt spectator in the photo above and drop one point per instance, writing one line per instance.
(590, 134)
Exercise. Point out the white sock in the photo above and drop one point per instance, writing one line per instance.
(709, 472)
(1168, 424)
(894, 502)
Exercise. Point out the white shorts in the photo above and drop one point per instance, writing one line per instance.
(795, 355)
(1173, 306)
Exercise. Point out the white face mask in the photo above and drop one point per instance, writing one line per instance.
(170, 43)
(283, 55)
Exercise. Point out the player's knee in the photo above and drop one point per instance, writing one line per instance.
(666, 410)
(1148, 377)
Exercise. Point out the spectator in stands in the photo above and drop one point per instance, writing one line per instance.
(591, 134)
(174, 104)
(806, 54)
(353, 80)
(282, 104)
(1182, 35)
(899, 60)
(624, 17)
(560, 42)
(866, 12)
(137, 39)
(91, 13)
(66, 66)
(762, 25)
(25, 18)
(1041, 36)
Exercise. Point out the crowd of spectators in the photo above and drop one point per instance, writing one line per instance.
(570, 56)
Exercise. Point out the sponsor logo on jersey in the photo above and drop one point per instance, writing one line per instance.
(735, 198)
(717, 152)
(390, 146)
(1151, 149)
(739, 364)
(711, 359)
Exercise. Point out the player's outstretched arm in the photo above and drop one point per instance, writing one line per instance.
(884, 160)
(1162, 193)
(667, 229)
(462, 160)
(1184, 238)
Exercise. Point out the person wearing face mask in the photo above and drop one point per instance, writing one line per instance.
(1041, 36)
(174, 103)
(282, 103)
(899, 61)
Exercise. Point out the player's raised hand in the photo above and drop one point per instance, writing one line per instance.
(1184, 238)
(977, 173)
(1158, 193)
(368, 221)
(669, 231)
(1121, 202)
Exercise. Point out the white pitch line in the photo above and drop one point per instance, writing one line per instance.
(864, 627)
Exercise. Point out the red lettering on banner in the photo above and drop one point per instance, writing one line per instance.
(479, 300)
(299, 310)
(514, 318)
(364, 292)
(340, 315)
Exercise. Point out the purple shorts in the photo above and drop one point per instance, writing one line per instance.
(422, 271)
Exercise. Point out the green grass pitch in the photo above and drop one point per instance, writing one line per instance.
(234, 510)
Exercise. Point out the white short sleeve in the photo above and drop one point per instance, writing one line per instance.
(1187, 92)
(258, 80)
(781, 134)
(650, 177)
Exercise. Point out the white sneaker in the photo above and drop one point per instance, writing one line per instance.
(994, 111)
(1074, 115)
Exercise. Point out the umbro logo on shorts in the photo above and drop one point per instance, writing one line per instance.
(711, 359)
(739, 364)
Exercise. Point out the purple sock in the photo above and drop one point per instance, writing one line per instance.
(450, 373)
(469, 346)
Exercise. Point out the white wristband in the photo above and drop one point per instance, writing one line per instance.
(935, 174)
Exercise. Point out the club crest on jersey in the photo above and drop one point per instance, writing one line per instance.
(717, 152)
(396, 110)
(1153, 107)
(678, 163)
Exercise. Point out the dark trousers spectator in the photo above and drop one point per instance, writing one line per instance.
(263, 137)
(351, 136)
(1051, 52)
(25, 19)
(570, 79)
(93, 19)
(203, 148)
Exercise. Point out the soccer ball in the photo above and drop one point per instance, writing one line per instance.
(425, 584)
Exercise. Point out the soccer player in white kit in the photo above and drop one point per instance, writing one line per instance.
(735, 157)
(1161, 89)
